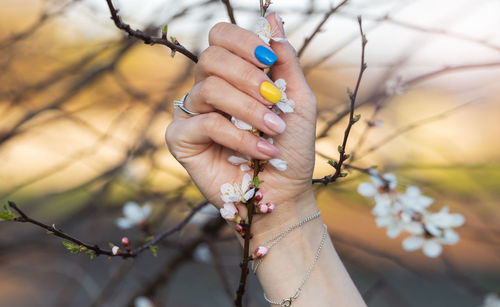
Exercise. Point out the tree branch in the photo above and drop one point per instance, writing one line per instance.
(148, 39)
(230, 11)
(352, 119)
(24, 218)
(308, 40)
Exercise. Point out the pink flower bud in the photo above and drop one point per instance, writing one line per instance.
(258, 196)
(126, 243)
(270, 207)
(115, 250)
(260, 252)
(240, 229)
(262, 208)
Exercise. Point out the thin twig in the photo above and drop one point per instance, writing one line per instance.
(352, 119)
(148, 39)
(24, 218)
(230, 11)
(308, 39)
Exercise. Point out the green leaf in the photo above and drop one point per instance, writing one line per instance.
(340, 148)
(256, 181)
(6, 214)
(154, 250)
(73, 248)
(164, 29)
(90, 253)
(356, 118)
(349, 91)
(111, 245)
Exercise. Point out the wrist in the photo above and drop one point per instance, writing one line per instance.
(286, 214)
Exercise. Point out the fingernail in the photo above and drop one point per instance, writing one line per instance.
(270, 92)
(274, 122)
(267, 149)
(265, 56)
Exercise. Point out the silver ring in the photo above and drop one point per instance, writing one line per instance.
(180, 104)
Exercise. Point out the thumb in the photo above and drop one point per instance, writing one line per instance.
(287, 66)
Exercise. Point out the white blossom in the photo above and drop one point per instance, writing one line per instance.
(243, 162)
(394, 87)
(264, 31)
(115, 250)
(133, 215)
(278, 164)
(491, 300)
(408, 212)
(235, 192)
(202, 253)
(240, 124)
(415, 200)
(143, 301)
(229, 212)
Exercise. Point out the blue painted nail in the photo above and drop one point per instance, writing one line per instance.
(265, 55)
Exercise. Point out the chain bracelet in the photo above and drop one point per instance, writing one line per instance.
(280, 236)
(289, 300)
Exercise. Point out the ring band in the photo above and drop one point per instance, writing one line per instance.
(180, 104)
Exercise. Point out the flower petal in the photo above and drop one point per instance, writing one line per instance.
(244, 167)
(281, 84)
(235, 160)
(132, 211)
(450, 237)
(367, 189)
(432, 248)
(241, 124)
(245, 183)
(124, 223)
(414, 228)
(146, 211)
(279, 164)
(413, 243)
(249, 194)
(394, 229)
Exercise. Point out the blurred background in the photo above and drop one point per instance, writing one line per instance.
(84, 109)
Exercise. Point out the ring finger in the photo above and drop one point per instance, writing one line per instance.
(216, 94)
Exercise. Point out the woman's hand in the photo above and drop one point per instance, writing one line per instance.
(228, 81)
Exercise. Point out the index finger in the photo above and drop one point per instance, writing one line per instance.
(243, 43)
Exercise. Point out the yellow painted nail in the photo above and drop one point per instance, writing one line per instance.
(270, 92)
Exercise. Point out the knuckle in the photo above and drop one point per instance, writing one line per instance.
(211, 122)
(217, 30)
(248, 72)
(207, 87)
(242, 138)
(210, 57)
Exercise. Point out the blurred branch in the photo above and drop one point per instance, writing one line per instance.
(449, 69)
(210, 230)
(23, 218)
(44, 17)
(73, 90)
(413, 126)
(482, 42)
(148, 39)
(308, 39)
(352, 119)
(220, 269)
(230, 11)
